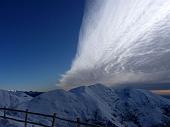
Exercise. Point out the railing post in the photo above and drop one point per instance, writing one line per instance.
(78, 122)
(53, 121)
(4, 112)
(26, 117)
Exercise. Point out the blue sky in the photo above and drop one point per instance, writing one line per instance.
(38, 40)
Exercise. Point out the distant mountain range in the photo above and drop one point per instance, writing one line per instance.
(98, 104)
(166, 96)
(33, 93)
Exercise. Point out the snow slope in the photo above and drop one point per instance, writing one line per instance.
(109, 107)
(12, 99)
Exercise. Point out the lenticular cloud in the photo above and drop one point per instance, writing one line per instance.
(122, 41)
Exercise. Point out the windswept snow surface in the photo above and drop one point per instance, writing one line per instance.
(125, 107)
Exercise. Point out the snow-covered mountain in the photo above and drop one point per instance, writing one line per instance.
(125, 107)
(13, 99)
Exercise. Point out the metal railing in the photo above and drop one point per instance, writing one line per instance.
(77, 122)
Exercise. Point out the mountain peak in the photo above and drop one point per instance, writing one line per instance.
(103, 105)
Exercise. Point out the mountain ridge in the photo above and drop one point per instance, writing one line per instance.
(98, 104)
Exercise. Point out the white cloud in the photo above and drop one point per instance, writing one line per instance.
(122, 41)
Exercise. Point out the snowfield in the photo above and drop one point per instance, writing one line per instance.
(97, 104)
